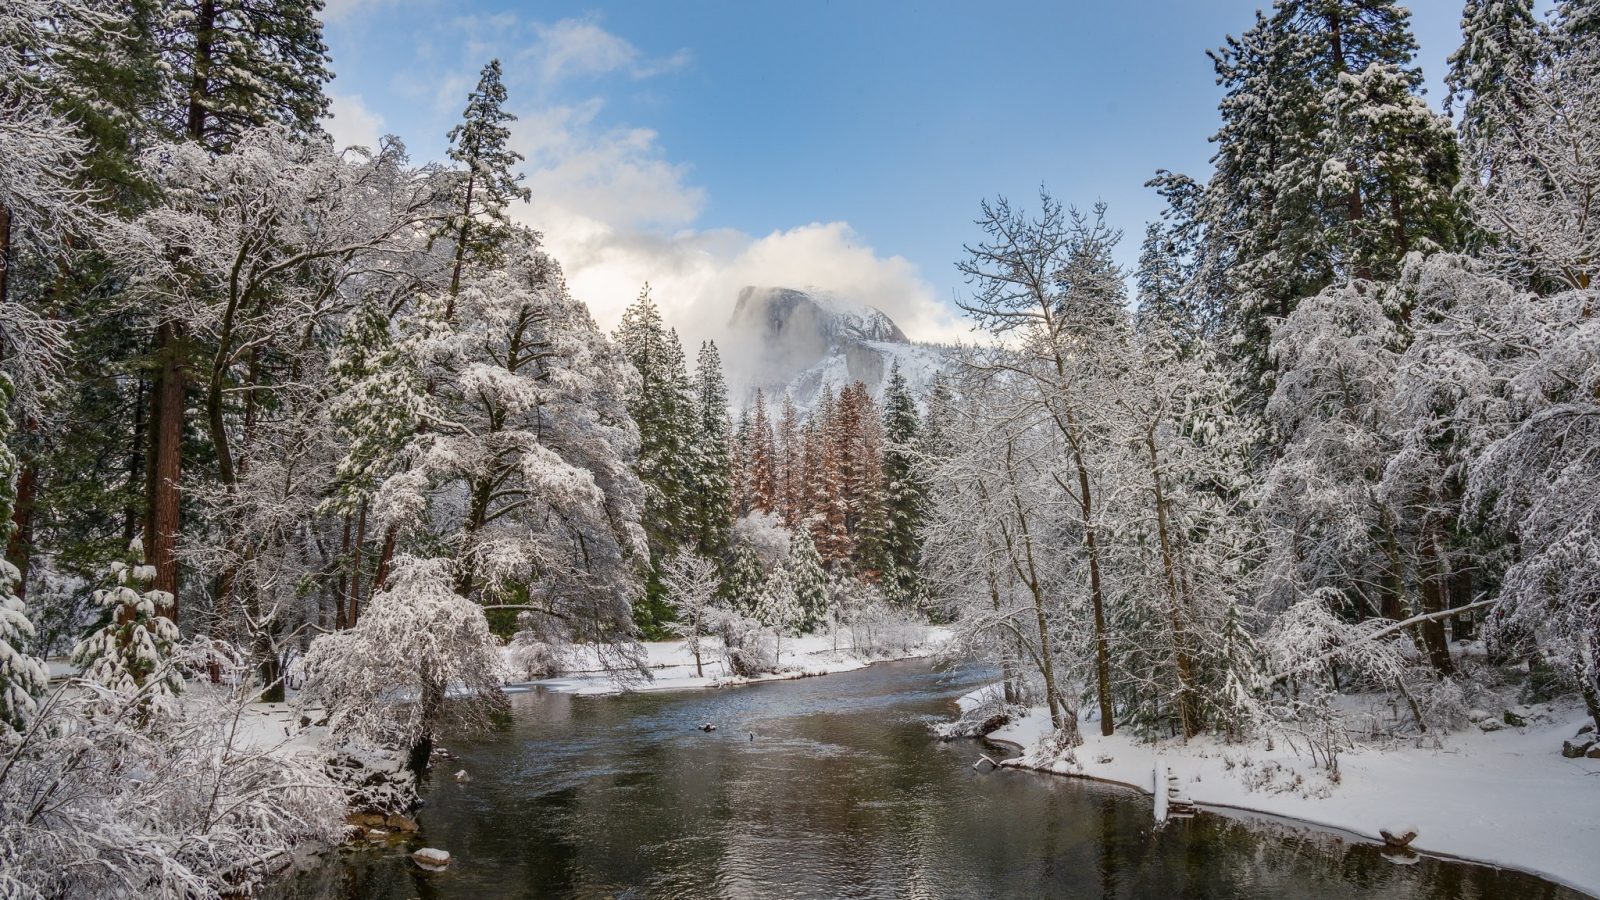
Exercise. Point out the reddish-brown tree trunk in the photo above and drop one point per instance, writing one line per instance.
(162, 492)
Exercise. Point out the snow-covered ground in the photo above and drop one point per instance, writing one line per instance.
(672, 666)
(1508, 797)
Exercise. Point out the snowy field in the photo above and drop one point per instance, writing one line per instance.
(1507, 798)
(672, 666)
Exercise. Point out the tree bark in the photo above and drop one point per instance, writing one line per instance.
(1433, 590)
(165, 461)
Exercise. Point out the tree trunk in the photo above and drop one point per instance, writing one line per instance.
(1186, 712)
(200, 82)
(5, 252)
(19, 549)
(1433, 588)
(385, 557)
(341, 592)
(355, 566)
(162, 491)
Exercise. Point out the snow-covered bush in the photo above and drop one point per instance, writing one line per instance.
(101, 798)
(420, 660)
(744, 643)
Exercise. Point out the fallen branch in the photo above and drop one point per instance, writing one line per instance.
(1384, 632)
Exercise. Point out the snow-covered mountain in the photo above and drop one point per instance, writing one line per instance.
(783, 339)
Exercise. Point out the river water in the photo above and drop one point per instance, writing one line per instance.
(840, 793)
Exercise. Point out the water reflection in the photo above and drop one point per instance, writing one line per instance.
(841, 794)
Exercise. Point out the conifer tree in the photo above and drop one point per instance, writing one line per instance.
(763, 463)
(1501, 46)
(137, 643)
(778, 607)
(903, 492)
(477, 210)
(236, 64)
(711, 467)
(809, 580)
(663, 408)
(1328, 166)
(787, 451)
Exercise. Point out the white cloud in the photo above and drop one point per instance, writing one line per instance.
(617, 213)
(577, 47)
(351, 123)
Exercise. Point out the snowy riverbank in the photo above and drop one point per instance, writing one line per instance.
(1506, 798)
(672, 666)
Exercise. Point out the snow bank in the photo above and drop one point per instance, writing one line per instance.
(1507, 798)
(672, 667)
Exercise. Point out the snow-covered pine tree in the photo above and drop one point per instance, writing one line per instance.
(232, 65)
(1326, 167)
(904, 492)
(787, 449)
(1502, 45)
(137, 643)
(778, 608)
(763, 477)
(809, 580)
(711, 472)
(662, 407)
(1536, 190)
(475, 218)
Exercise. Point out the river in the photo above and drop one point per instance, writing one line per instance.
(829, 788)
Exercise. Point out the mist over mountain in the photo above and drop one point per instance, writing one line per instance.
(785, 339)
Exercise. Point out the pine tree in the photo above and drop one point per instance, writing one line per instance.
(663, 407)
(137, 643)
(1501, 46)
(1328, 166)
(778, 607)
(809, 580)
(711, 475)
(763, 469)
(903, 493)
(477, 211)
(237, 64)
(788, 453)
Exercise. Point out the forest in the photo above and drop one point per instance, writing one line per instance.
(287, 422)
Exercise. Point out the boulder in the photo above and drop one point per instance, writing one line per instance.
(1514, 720)
(1396, 835)
(1586, 729)
(1491, 725)
(400, 823)
(1576, 748)
(462, 777)
(431, 859)
(1594, 752)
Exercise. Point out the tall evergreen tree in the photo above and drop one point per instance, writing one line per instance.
(477, 219)
(904, 492)
(711, 468)
(1328, 166)
(1501, 46)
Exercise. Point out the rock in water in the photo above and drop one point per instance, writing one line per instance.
(1398, 835)
(431, 859)
(462, 777)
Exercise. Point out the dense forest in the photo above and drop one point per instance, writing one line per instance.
(288, 421)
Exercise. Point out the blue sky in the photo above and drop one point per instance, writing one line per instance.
(843, 145)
